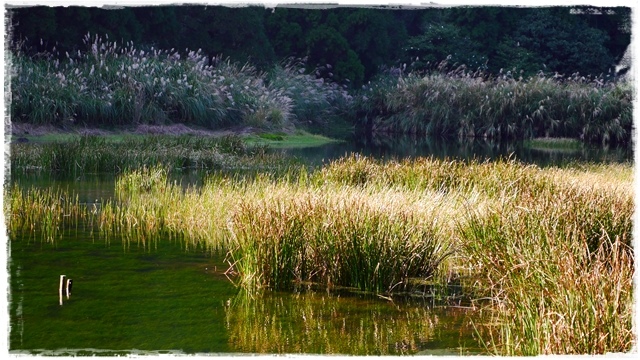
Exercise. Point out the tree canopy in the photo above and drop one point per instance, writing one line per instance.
(348, 44)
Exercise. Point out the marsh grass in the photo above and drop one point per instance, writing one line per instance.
(111, 83)
(546, 251)
(44, 214)
(334, 236)
(468, 104)
(559, 270)
(93, 154)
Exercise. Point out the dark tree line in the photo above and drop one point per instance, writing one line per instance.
(350, 45)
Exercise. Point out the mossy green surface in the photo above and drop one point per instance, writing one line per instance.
(300, 139)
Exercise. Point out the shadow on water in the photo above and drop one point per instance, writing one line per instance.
(398, 147)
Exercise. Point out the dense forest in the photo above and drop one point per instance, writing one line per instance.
(355, 42)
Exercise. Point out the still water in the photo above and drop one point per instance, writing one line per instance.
(167, 299)
(413, 146)
(164, 298)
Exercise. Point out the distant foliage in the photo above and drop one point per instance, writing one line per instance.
(314, 99)
(356, 42)
(440, 42)
(565, 44)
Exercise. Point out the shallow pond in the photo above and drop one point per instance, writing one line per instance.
(168, 299)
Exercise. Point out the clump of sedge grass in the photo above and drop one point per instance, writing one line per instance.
(333, 236)
(465, 103)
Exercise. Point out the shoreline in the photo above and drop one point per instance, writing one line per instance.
(33, 132)
(251, 136)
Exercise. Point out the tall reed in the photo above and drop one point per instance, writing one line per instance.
(111, 83)
(314, 100)
(468, 104)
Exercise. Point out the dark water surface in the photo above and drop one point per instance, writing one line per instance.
(415, 146)
(164, 298)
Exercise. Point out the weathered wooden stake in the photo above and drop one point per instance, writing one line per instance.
(69, 284)
(62, 285)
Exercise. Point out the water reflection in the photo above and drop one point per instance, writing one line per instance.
(413, 146)
(323, 323)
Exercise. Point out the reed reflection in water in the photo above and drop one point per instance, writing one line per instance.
(327, 323)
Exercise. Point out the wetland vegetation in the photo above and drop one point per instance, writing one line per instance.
(206, 226)
(546, 252)
(535, 244)
(110, 84)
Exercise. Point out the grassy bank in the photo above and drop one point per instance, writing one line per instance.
(547, 251)
(300, 139)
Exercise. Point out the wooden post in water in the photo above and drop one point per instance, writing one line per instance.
(68, 289)
(62, 287)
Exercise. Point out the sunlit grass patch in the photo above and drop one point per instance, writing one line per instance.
(336, 236)
(542, 262)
